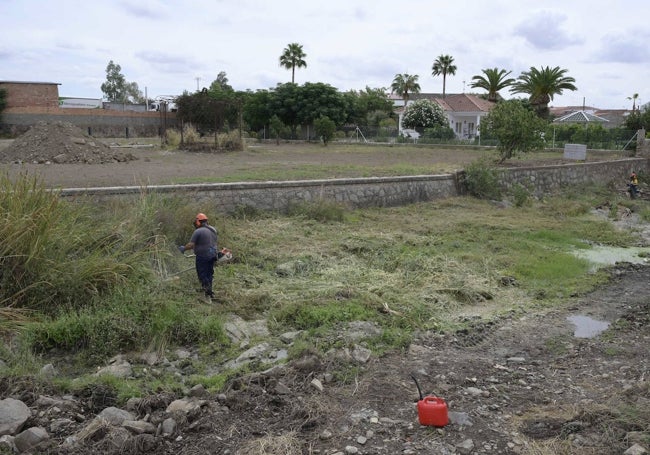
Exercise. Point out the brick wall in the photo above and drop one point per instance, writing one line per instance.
(31, 94)
(31, 102)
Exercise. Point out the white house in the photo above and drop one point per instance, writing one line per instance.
(464, 111)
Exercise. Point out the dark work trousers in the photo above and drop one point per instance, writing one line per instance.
(205, 272)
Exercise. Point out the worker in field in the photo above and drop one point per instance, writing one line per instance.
(204, 243)
(633, 186)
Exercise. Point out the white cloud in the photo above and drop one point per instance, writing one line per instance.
(166, 45)
(545, 30)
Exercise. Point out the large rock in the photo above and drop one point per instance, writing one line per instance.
(30, 438)
(115, 416)
(13, 415)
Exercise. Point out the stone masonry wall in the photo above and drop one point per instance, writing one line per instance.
(543, 180)
(370, 192)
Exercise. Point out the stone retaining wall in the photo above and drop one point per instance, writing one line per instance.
(548, 178)
(370, 192)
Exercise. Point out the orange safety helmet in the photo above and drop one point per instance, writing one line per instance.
(200, 218)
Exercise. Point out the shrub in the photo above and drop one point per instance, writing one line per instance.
(481, 180)
(521, 195)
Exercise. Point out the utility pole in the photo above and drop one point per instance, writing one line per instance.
(198, 79)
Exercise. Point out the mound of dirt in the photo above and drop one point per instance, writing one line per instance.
(60, 143)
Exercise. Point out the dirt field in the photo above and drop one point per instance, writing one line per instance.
(510, 385)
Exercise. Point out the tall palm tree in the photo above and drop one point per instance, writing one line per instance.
(292, 57)
(541, 84)
(633, 98)
(403, 84)
(444, 65)
(493, 81)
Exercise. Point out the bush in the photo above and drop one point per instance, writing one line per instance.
(481, 180)
(521, 195)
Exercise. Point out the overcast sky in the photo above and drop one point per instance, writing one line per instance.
(169, 46)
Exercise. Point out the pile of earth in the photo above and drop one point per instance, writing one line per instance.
(60, 143)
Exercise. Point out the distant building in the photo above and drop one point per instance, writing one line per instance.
(31, 94)
(464, 111)
(615, 117)
(31, 102)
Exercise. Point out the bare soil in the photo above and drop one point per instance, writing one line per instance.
(63, 156)
(509, 384)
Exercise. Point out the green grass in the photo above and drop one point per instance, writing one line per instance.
(97, 282)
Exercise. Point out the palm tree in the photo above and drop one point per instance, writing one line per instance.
(541, 84)
(633, 98)
(444, 65)
(403, 84)
(292, 57)
(493, 81)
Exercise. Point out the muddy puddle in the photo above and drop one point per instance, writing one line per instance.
(587, 327)
(601, 256)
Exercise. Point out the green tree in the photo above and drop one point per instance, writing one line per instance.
(422, 114)
(493, 80)
(256, 110)
(368, 107)
(114, 88)
(541, 85)
(293, 57)
(277, 127)
(132, 93)
(221, 83)
(203, 110)
(405, 84)
(325, 128)
(285, 104)
(317, 99)
(444, 65)
(517, 128)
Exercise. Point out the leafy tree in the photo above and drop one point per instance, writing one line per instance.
(277, 127)
(115, 86)
(256, 110)
(325, 128)
(422, 114)
(221, 83)
(444, 65)
(132, 93)
(493, 80)
(285, 104)
(292, 57)
(517, 128)
(316, 100)
(204, 111)
(368, 107)
(404, 84)
(637, 120)
(541, 85)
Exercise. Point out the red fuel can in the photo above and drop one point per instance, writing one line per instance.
(432, 411)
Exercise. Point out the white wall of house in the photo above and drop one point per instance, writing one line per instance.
(464, 124)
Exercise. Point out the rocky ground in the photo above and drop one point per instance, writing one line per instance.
(508, 385)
